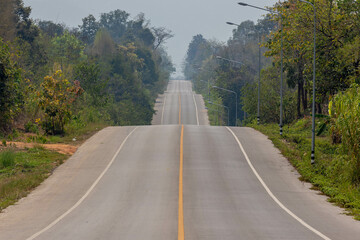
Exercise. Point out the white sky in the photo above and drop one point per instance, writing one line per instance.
(185, 18)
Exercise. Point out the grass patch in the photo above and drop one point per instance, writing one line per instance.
(21, 172)
(332, 171)
(7, 159)
(82, 133)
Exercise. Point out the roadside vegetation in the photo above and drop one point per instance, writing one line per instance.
(235, 66)
(60, 84)
(22, 171)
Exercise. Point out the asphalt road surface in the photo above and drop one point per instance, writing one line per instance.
(179, 179)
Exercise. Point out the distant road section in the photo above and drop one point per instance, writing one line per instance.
(180, 105)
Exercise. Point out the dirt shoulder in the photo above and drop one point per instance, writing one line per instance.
(60, 148)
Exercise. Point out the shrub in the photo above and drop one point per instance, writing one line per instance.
(31, 127)
(56, 96)
(344, 110)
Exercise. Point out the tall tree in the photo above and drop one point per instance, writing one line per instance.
(50, 28)
(88, 29)
(115, 22)
(8, 20)
(11, 96)
(161, 36)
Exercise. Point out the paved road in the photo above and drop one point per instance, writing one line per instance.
(179, 104)
(176, 182)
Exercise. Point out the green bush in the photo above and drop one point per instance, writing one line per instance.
(31, 127)
(344, 110)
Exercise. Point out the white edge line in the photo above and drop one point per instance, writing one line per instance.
(163, 110)
(273, 196)
(197, 113)
(86, 194)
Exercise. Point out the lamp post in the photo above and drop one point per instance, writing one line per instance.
(314, 78)
(236, 105)
(230, 60)
(258, 106)
(227, 108)
(281, 54)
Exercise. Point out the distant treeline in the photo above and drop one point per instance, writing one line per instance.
(107, 70)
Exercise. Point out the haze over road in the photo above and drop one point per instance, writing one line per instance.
(179, 179)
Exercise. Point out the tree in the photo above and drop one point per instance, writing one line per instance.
(51, 29)
(138, 31)
(67, 49)
(115, 22)
(337, 26)
(15, 21)
(89, 76)
(161, 36)
(8, 20)
(11, 97)
(199, 50)
(104, 44)
(88, 29)
(56, 95)
(269, 99)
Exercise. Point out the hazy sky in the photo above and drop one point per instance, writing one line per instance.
(185, 18)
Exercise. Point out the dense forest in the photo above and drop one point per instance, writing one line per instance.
(53, 77)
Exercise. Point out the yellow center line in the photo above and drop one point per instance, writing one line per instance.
(179, 109)
(181, 235)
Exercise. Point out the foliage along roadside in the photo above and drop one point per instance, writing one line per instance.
(107, 71)
(22, 171)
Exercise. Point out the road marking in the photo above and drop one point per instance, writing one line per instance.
(273, 196)
(181, 235)
(163, 110)
(196, 109)
(179, 109)
(86, 194)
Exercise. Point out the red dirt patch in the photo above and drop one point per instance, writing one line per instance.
(60, 148)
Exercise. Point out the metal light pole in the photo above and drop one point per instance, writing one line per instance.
(233, 61)
(236, 108)
(220, 105)
(258, 105)
(314, 78)
(281, 54)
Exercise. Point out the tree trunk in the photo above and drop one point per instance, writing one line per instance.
(305, 100)
(299, 96)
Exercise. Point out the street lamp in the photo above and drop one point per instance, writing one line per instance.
(220, 105)
(236, 105)
(258, 106)
(314, 78)
(229, 60)
(281, 54)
